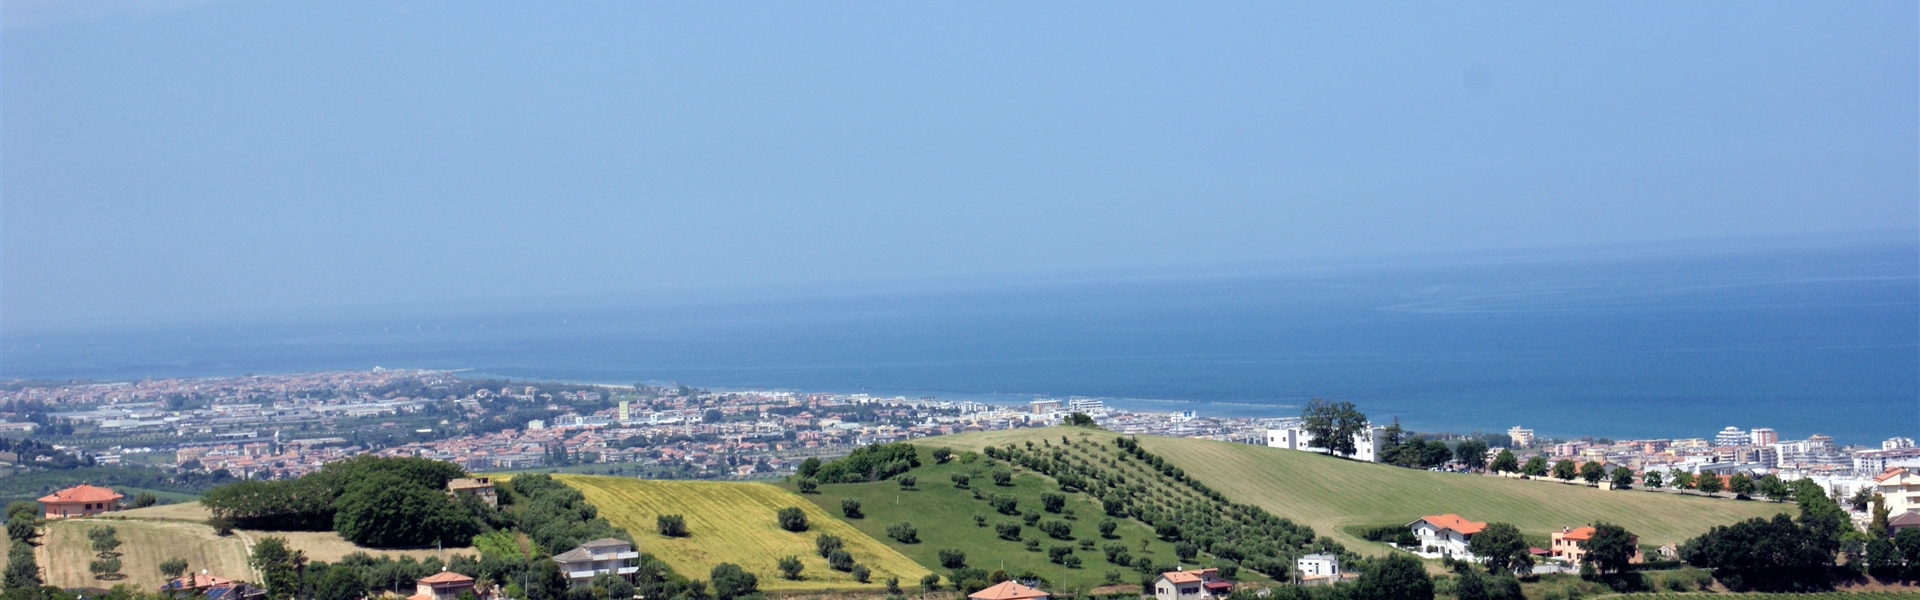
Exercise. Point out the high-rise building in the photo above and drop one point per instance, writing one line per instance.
(1762, 436)
(1896, 443)
(1731, 436)
(1522, 438)
(624, 411)
(1086, 405)
(1043, 406)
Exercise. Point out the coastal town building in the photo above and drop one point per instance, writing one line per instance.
(1445, 535)
(1761, 436)
(1041, 406)
(1901, 489)
(1198, 584)
(1522, 438)
(604, 556)
(1367, 443)
(1896, 443)
(1731, 436)
(79, 501)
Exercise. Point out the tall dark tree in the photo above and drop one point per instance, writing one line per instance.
(730, 581)
(1593, 472)
(1622, 478)
(1565, 470)
(1535, 467)
(279, 567)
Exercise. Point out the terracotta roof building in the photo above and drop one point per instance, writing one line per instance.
(1571, 545)
(1445, 535)
(1008, 590)
(79, 501)
(445, 585)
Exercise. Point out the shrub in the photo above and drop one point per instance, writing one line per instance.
(904, 532)
(861, 574)
(1031, 519)
(1057, 529)
(942, 454)
(907, 481)
(1106, 528)
(1007, 530)
(840, 560)
(979, 520)
(953, 559)
(851, 508)
(960, 480)
(826, 543)
(1056, 554)
(1071, 561)
(671, 525)
(1002, 477)
(807, 485)
(790, 568)
(1185, 550)
(792, 519)
(893, 586)
(1033, 545)
(1005, 503)
(930, 582)
(1052, 502)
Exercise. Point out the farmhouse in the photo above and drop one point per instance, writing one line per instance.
(478, 486)
(1445, 535)
(1009, 590)
(1199, 584)
(604, 556)
(79, 501)
(1571, 545)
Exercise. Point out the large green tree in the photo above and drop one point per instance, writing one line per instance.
(383, 511)
(1593, 472)
(1502, 546)
(1396, 576)
(1505, 462)
(730, 581)
(1333, 425)
(1612, 547)
(1565, 470)
(1536, 467)
(1710, 483)
(1762, 554)
(22, 570)
(279, 566)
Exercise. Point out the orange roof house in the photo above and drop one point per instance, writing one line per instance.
(79, 501)
(1570, 544)
(1198, 584)
(445, 585)
(1009, 590)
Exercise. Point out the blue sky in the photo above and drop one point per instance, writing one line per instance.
(167, 160)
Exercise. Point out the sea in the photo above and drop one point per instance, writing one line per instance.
(1806, 336)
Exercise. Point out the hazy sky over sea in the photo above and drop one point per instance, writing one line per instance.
(189, 159)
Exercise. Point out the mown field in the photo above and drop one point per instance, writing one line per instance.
(152, 535)
(1760, 596)
(734, 523)
(1330, 494)
(944, 515)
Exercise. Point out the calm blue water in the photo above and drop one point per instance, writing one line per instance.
(1804, 338)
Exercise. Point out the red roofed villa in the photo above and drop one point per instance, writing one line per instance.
(1445, 535)
(79, 501)
(1009, 590)
(445, 585)
(1571, 545)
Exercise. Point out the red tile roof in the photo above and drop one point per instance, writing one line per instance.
(446, 577)
(1578, 533)
(1455, 522)
(1007, 590)
(82, 493)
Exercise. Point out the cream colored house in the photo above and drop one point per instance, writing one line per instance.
(1901, 488)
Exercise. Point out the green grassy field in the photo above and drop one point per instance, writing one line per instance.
(734, 523)
(1759, 596)
(944, 515)
(1330, 494)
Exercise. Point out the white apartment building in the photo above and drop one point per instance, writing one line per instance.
(1522, 438)
(1761, 436)
(1896, 443)
(1731, 436)
(1901, 488)
(1368, 443)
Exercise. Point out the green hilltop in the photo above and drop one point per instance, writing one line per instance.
(1333, 494)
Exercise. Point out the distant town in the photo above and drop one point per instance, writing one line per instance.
(281, 426)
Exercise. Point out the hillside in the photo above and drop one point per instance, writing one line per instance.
(734, 522)
(944, 514)
(1330, 494)
(152, 535)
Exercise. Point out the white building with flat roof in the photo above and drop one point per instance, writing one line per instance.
(1367, 443)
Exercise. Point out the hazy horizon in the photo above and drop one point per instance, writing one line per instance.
(167, 161)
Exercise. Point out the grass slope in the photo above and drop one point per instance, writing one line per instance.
(152, 535)
(734, 523)
(1330, 494)
(944, 515)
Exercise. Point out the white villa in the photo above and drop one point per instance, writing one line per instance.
(1367, 443)
(1445, 535)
